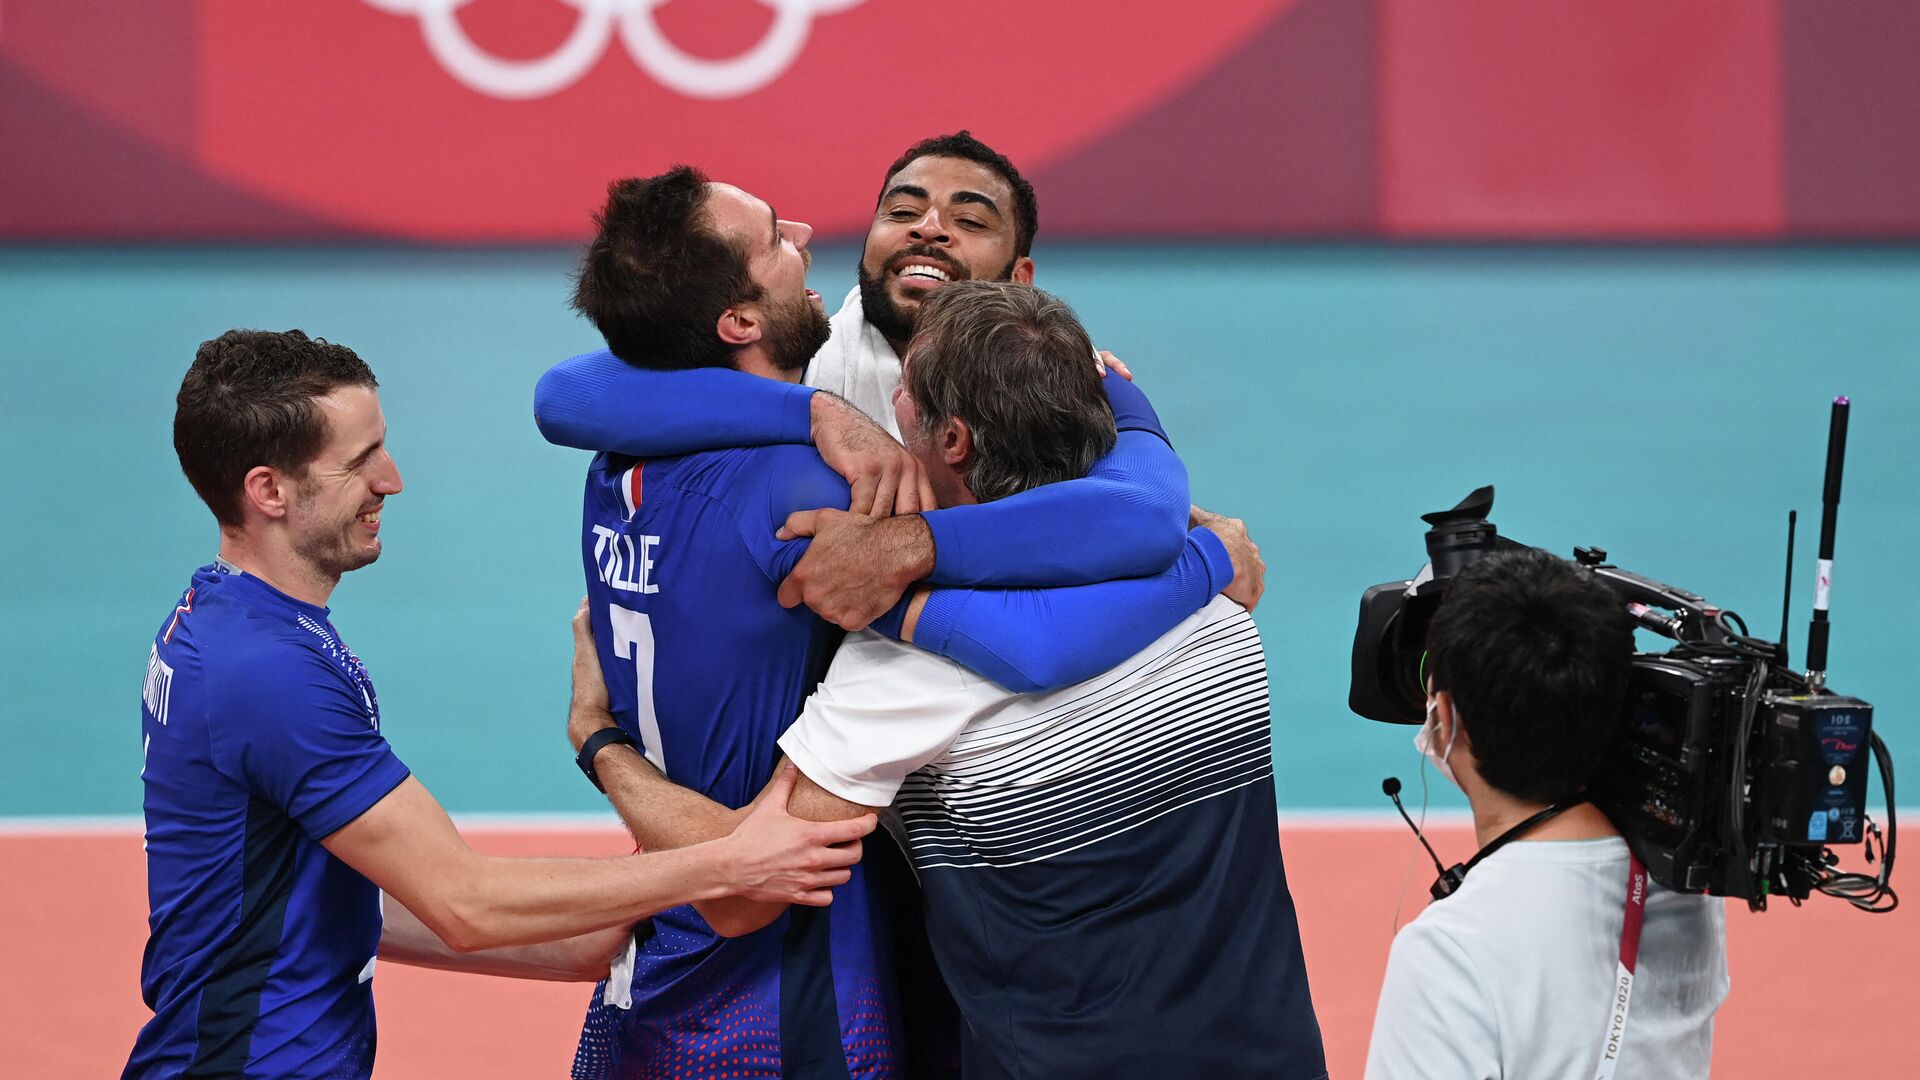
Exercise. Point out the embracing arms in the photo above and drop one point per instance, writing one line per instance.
(663, 816)
(1126, 517)
(408, 846)
(597, 402)
(404, 939)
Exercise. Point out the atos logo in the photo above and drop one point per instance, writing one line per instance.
(593, 31)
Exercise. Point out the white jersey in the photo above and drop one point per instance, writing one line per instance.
(1512, 977)
(858, 364)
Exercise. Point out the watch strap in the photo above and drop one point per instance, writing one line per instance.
(595, 743)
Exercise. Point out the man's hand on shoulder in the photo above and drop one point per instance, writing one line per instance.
(857, 568)
(1249, 570)
(885, 478)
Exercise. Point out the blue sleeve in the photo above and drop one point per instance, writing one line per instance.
(791, 478)
(295, 732)
(1030, 640)
(1131, 409)
(597, 402)
(1127, 517)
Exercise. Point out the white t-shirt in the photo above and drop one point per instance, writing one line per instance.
(1079, 852)
(885, 710)
(1512, 977)
(858, 364)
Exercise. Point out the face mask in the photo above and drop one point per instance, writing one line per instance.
(1423, 742)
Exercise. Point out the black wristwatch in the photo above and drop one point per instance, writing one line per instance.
(596, 742)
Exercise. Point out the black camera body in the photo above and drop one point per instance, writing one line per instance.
(1733, 775)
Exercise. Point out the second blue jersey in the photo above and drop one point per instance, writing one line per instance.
(261, 737)
(706, 669)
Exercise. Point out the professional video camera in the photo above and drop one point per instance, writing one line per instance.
(1734, 774)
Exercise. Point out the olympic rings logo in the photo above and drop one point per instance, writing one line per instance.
(694, 76)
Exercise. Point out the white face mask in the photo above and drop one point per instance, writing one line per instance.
(1423, 742)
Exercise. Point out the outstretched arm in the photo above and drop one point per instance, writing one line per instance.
(313, 755)
(408, 846)
(595, 401)
(404, 939)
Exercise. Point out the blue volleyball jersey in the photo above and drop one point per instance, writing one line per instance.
(706, 669)
(261, 738)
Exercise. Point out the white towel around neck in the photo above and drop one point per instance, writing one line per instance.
(858, 364)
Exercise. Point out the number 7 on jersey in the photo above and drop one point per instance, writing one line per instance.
(633, 640)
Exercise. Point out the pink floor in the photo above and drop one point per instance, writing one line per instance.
(1817, 991)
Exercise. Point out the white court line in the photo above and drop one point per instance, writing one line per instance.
(79, 825)
(1290, 820)
(1368, 820)
(133, 824)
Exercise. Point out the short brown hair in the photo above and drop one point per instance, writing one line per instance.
(1016, 365)
(656, 276)
(248, 401)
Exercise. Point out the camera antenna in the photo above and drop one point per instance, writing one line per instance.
(1786, 597)
(1823, 578)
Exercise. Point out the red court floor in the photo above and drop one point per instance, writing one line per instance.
(1819, 991)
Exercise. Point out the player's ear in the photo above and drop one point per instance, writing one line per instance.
(1445, 719)
(267, 491)
(1023, 270)
(739, 325)
(956, 441)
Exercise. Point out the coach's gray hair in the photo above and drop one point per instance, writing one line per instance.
(1016, 365)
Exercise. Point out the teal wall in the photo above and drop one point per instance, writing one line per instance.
(1668, 405)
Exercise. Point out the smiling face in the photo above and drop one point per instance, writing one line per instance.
(940, 219)
(793, 321)
(334, 515)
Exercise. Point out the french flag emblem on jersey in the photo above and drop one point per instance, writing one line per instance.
(630, 488)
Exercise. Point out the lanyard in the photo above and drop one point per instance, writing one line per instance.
(1623, 978)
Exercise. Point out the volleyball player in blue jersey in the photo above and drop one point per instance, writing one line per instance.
(276, 813)
(705, 665)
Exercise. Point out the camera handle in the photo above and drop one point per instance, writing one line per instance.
(1694, 620)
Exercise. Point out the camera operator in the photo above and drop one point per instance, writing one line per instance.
(1529, 969)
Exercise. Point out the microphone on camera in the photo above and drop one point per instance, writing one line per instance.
(1449, 879)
